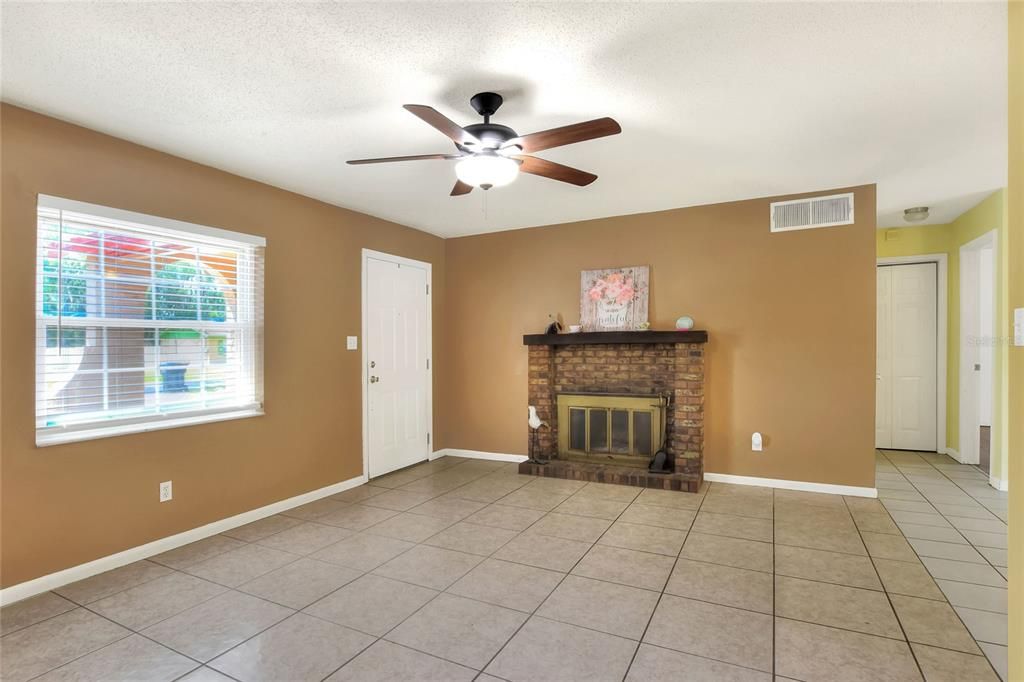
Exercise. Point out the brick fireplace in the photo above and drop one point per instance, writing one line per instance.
(624, 363)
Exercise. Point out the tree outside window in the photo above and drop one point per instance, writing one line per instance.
(185, 291)
(65, 300)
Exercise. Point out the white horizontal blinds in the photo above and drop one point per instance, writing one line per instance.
(139, 322)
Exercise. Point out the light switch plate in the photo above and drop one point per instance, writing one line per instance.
(1018, 327)
(351, 342)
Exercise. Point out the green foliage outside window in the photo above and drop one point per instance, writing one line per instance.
(185, 291)
(67, 300)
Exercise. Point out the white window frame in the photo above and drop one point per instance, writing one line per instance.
(244, 324)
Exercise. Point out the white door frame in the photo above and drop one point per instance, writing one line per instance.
(967, 287)
(942, 318)
(400, 260)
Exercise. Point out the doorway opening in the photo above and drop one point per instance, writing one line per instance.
(977, 349)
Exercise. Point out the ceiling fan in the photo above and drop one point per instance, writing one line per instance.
(492, 155)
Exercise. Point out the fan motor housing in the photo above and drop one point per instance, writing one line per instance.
(491, 134)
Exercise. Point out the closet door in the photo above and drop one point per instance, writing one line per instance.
(883, 360)
(905, 399)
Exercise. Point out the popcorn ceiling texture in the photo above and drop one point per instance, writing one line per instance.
(717, 101)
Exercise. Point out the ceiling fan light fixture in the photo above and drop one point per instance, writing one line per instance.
(916, 214)
(486, 170)
(492, 155)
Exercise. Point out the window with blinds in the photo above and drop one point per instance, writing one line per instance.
(142, 322)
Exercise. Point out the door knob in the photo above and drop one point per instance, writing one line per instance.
(374, 380)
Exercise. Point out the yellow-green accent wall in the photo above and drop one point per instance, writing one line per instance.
(1015, 253)
(990, 214)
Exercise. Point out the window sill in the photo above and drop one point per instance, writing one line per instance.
(60, 436)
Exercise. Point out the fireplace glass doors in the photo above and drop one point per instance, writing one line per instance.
(610, 428)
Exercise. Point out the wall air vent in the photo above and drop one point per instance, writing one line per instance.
(805, 214)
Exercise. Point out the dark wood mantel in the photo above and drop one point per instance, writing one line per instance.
(587, 338)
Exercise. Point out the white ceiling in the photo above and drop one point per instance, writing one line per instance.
(717, 101)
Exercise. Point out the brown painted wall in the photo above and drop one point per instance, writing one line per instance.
(64, 505)
(791, 319)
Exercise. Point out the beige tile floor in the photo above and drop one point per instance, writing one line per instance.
(462, 569)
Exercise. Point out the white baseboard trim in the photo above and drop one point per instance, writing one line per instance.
(30, 588)
(478, 454)
(952, 453)
(999, 483)
(832, 489)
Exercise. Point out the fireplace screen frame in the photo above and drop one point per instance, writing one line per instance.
(653, 404)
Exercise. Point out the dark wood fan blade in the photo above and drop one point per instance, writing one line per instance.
(435, 118)
(419, 157)
(557, 137)
(461, 188)
(555, 171)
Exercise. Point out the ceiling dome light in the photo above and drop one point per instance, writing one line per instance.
(916, 214)
(486, 170)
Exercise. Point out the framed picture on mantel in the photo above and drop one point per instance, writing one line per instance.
(614, 299)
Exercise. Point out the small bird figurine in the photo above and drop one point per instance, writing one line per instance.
(535, 421)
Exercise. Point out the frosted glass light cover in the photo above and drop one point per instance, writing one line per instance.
(487, 170)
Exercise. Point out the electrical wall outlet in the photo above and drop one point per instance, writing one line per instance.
(166, 494)
(756, 442)
(351, 343)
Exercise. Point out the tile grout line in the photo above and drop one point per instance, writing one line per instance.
(378, 638)
(664, 586)
(445, 590)
(972, 545)
(133, 631)
(182, 653)
(952, 608)
(483, 558)
(227, 590)
(91, 651)
(943, 515)
(774, 609)
(533, 613)
(382, 637)
(957, 530)
(888, 597)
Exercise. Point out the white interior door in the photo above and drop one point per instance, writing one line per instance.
(883, 360)
(397, 355)
(906, 399)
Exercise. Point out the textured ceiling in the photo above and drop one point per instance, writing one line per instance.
(717, 101)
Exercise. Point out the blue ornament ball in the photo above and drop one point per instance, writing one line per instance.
(684, 323)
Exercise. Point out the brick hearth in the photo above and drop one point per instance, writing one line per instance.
(640, 363)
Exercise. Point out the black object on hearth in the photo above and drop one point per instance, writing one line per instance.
(659, 463)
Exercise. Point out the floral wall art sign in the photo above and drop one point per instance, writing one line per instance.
(614, 298)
